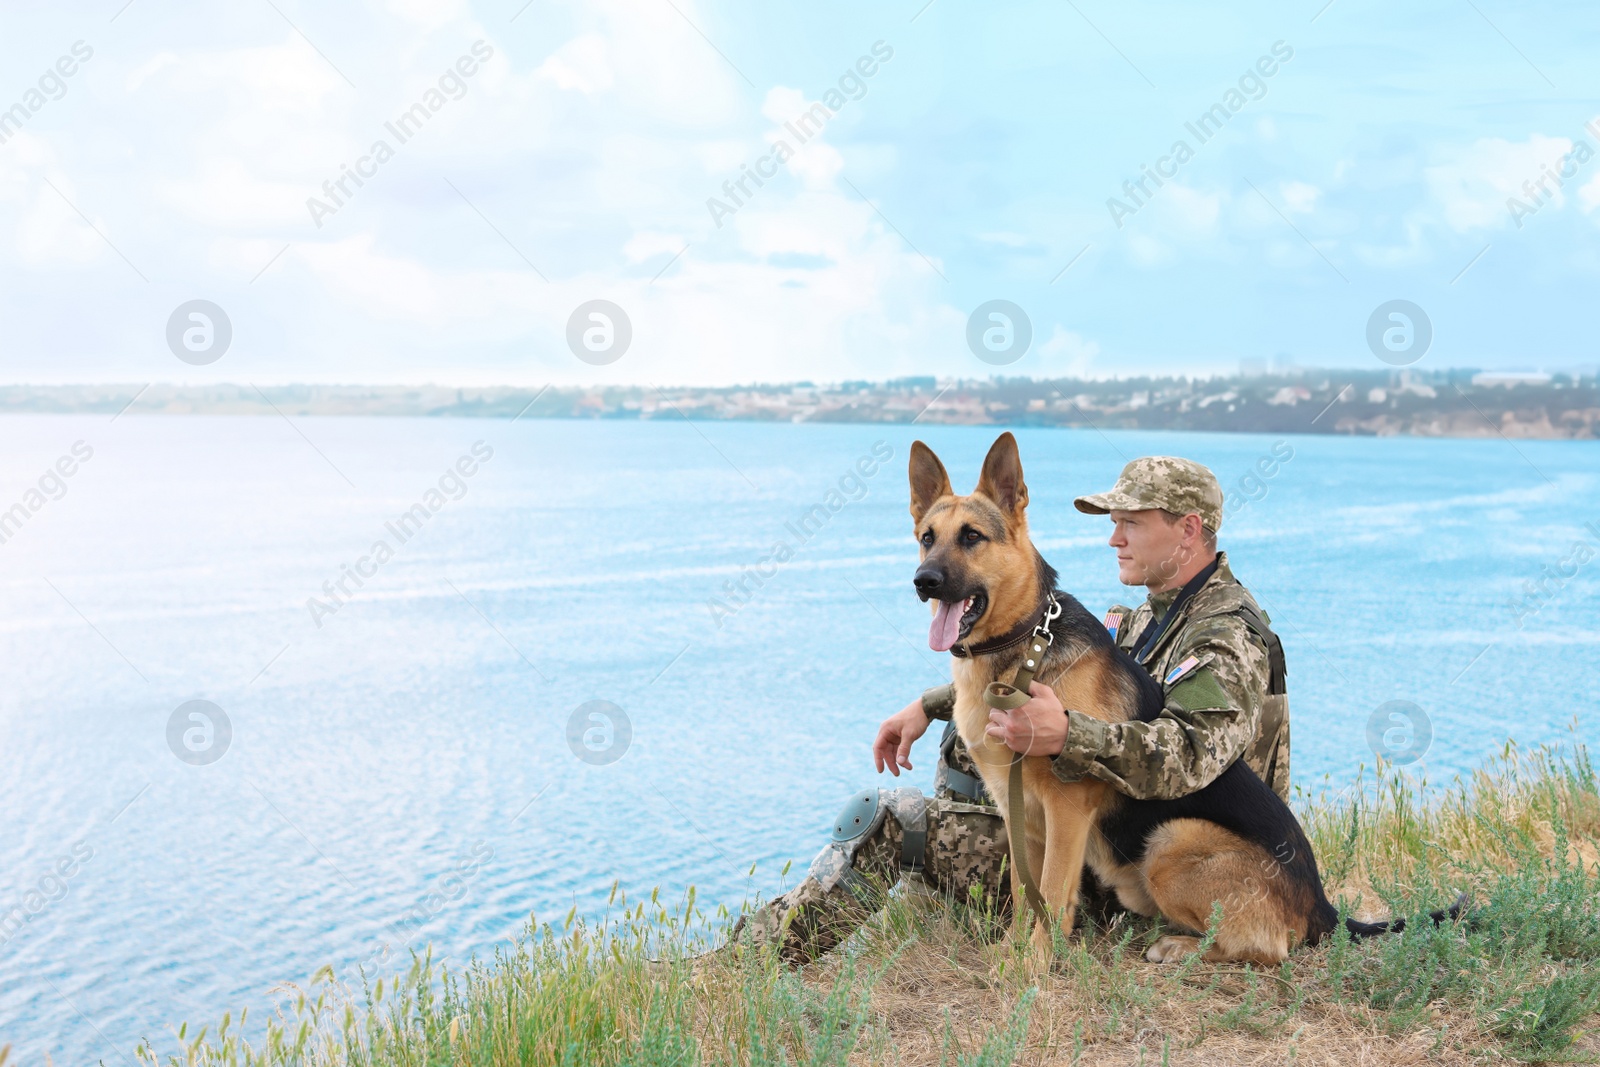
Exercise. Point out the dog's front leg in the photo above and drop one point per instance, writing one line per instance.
(1068, 821)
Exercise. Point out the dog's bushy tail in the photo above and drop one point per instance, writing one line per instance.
(1360, 929)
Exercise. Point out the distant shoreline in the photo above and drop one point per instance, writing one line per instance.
(1453, 403)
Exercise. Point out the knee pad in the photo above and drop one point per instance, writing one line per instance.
(863, 816)
(864, 812)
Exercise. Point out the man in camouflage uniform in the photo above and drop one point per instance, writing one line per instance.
(1200, 632)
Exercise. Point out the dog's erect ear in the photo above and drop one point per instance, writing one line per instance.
(1002, 476)
(929, 480)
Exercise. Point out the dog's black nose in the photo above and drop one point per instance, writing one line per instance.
(928, 579)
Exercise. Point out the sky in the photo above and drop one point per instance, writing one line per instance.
(564, 153)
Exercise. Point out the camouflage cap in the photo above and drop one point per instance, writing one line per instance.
(1177, 485)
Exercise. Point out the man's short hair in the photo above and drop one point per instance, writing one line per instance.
(1207, 534)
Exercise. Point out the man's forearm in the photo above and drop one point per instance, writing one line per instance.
(1158, 760)
(1198, 735)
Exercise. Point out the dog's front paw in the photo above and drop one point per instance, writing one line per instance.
(1041, 950)
(1172, 949)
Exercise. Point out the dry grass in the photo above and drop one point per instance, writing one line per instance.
(1383, 852)
(1100, 1006)
(930, 982)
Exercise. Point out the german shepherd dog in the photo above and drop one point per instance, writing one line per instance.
(1234, 842)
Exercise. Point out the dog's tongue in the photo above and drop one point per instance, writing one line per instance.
(946, 626)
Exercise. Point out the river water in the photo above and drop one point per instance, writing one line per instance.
(548, 679)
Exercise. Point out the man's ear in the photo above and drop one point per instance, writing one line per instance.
(1001, 480)
(929, 481)
(1195, 529)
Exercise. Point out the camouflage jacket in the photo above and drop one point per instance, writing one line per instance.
(1218, 707)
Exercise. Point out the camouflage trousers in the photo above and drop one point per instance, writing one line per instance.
(964, 853)
(845, 886)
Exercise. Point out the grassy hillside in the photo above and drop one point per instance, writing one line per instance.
(929, 982)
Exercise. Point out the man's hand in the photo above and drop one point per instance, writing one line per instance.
(1038, 728)
(892, 749)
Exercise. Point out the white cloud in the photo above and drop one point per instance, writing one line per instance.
(579, 64)
(1008, 240)
(156, 64)
(224, 191)
(50, 234)
(591, 141)
(1299, 197)
(392, 288)
(1589, 195)
(429, 15)
(646, 243)
(815, 162)
(1184, 212)
(1067, 354)
(661, 67)
(48, 231)
(24, 155)
(782, 104)
(1147, 251)
(1473, 184)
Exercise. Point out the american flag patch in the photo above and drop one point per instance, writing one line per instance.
(1189, 664)
(1113, 622)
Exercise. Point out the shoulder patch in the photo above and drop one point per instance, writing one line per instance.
(1189, 663)
(1199, 690)
(1113, 623)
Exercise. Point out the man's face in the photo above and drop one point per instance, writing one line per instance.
(1149, 549)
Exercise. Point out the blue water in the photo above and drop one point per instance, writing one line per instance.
(406, 764)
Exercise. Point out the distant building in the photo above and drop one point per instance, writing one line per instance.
(1507, 379)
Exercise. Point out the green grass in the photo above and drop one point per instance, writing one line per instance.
(931, 981)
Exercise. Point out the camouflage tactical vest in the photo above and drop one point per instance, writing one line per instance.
(1223, 595)
(956, 777)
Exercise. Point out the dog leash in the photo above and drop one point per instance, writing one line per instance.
(1005, 697)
